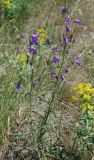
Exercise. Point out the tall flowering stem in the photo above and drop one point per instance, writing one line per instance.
(41, 131)
(31, 93)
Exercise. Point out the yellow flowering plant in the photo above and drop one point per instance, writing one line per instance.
(84, 137)
(22, 58)
(42, 35)
(7, 3)
(85, 93)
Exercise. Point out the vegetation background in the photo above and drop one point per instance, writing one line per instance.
(40, 116)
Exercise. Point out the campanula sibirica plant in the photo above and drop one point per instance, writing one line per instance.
(43, 77)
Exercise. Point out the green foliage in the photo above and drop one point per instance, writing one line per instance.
(18, 10)
(84, 142)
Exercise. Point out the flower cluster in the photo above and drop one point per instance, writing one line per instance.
(22, 58)
(35, 40)
(67, 39)
(42, 35)
(7, 3)
(38, 38)
(85, 92)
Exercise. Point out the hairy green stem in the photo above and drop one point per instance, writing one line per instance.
(31, 94)
(41, 132)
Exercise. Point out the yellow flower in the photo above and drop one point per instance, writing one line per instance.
(88, 85)
(22, 58)
(42, 37)
(92, 91)
(87, 89)
(91, 108)
(74, 99)
(81, 92)
(83, 88)
(75, 89)
(78, 88)
(86, 97)
(83, 105)
(86, 93)
(43, 34)
(7, 3)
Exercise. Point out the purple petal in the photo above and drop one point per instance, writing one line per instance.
(77, 21)
(67, 70)
(52, 74)
(65, 39)
(68, 28)
(64, 10)
(63, 78)
(77, 60)
(56, 59)
(32, 49)
(67, 20)
(18, 86)
(35, 38)
(54, 49)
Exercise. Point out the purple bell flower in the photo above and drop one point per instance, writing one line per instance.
(63, 78)
(77, 60)
(52, 74)
(67, 20)
(35, 38)
(32, 49)
(18, 86)
(68, 28)
(56, 59)
(65, 39)
(54, 49)
(64, 10)
(77, 21)
(67, 70)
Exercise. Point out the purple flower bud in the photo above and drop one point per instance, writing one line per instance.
(67, 20)
(72, 40)
(77, 21)
(35, 38)
(77, 60)
(54, 49)
(63, 78)
(32, 49)
(64, 10)
(65, 39)
(18, 86)
(67, 70)
(52, 74)
(55, 59)
(68, 28)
